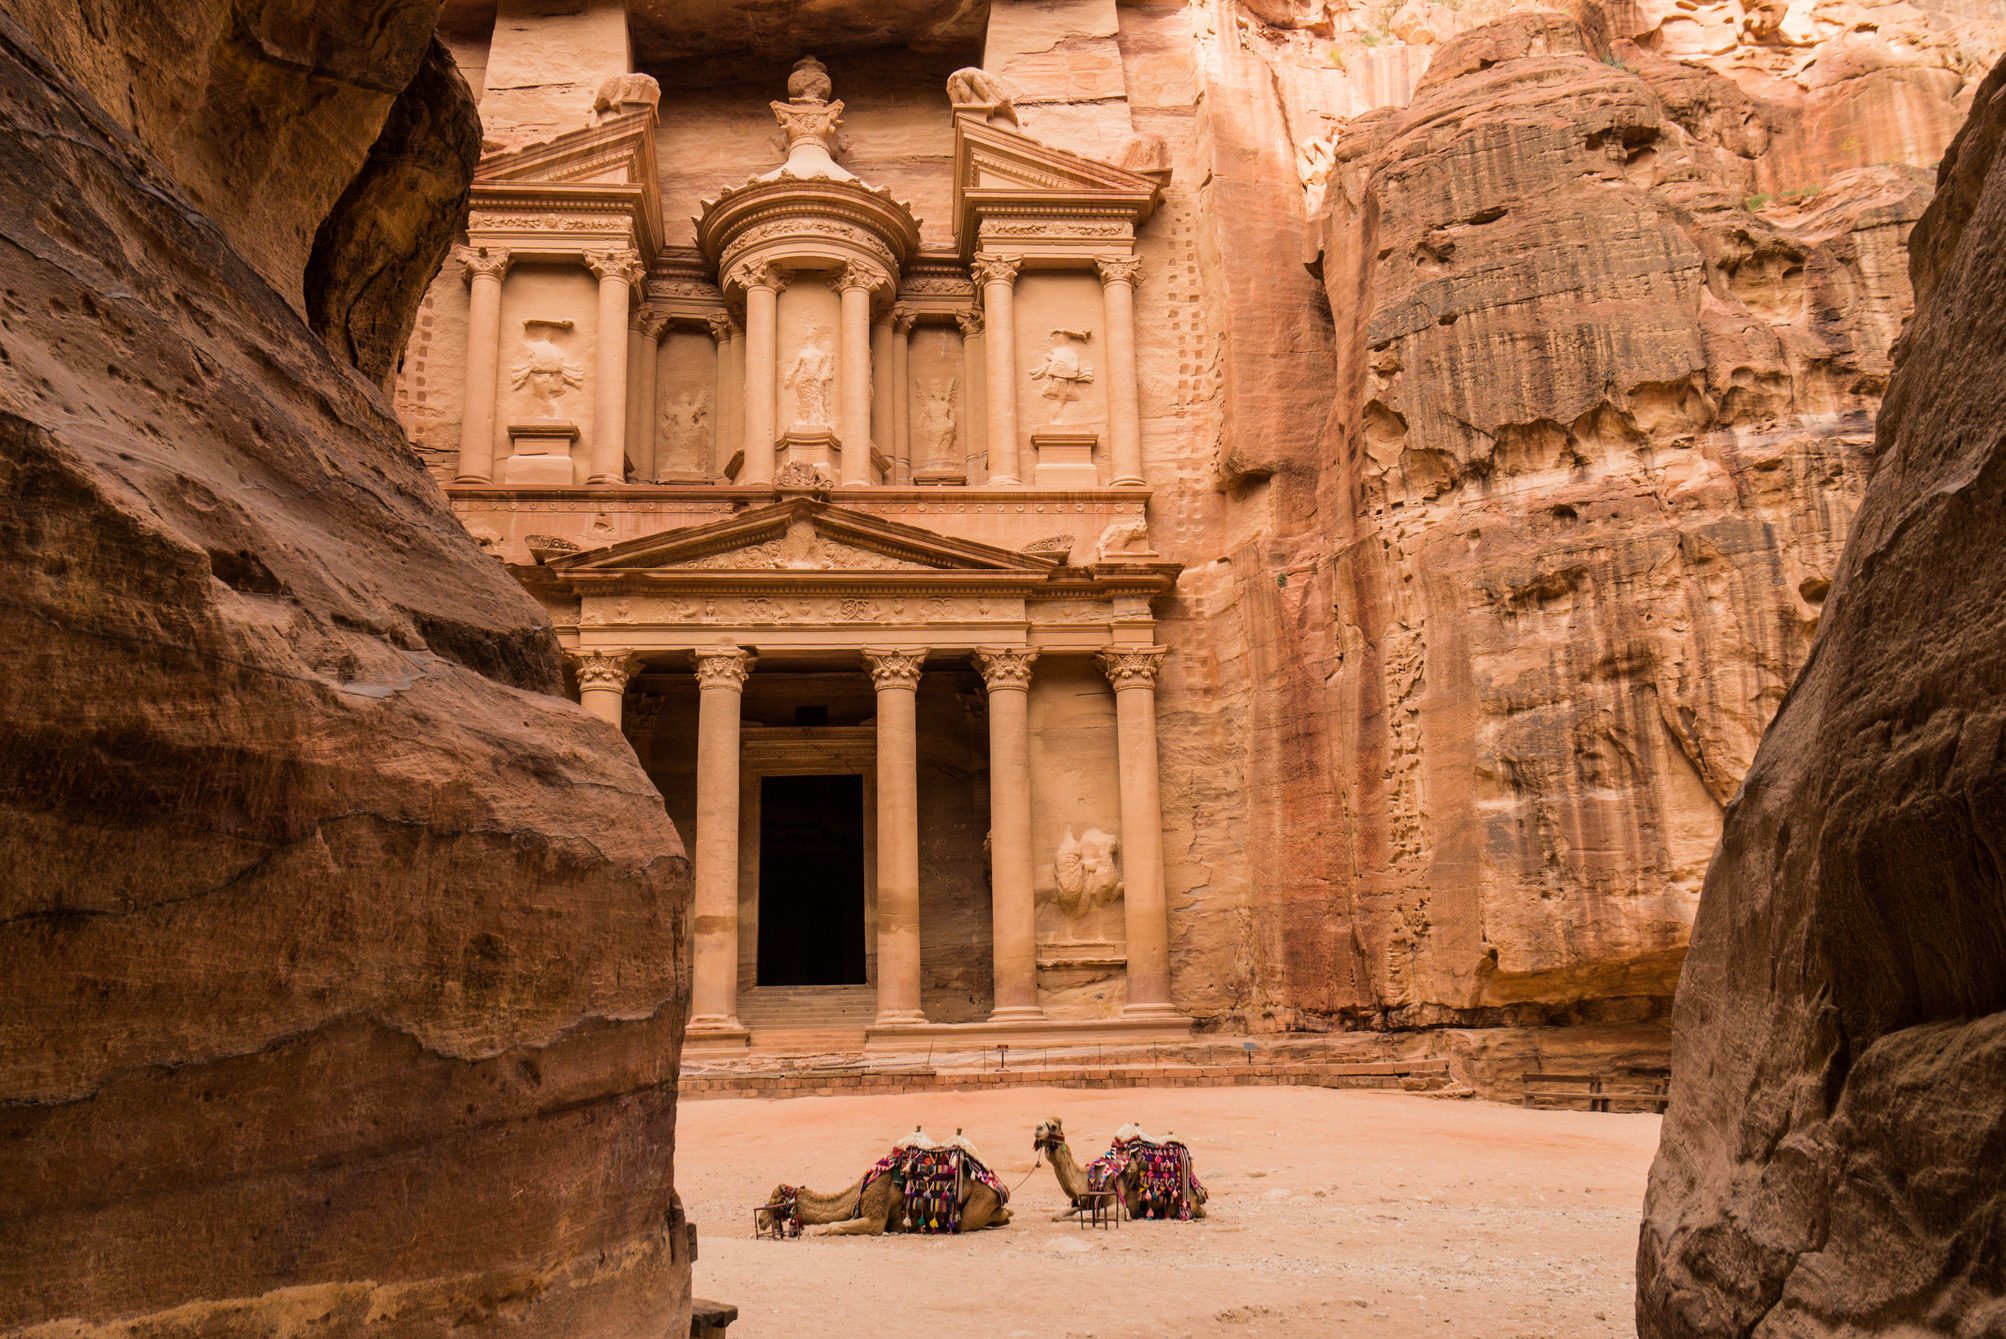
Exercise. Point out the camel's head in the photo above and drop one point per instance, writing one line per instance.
(765, 1214)
(1049, 1135)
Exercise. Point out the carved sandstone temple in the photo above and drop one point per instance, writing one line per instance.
(849, 532)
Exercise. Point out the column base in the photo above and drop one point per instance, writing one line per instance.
(1135, 482)
(716, 1032)
(603, 479)
(1017, 1013)
(900, 1018)
(1166, 1013)
(472, 479)
(1005, 481)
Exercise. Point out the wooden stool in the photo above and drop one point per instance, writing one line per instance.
(1099, 1208)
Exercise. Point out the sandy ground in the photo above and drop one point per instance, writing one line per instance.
(1361, 1213)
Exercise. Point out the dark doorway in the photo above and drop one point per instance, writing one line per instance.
(811, 880)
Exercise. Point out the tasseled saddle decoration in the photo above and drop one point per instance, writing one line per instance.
(1169, 1183)
(787, 1217)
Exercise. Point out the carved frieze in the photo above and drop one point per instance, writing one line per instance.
(754, 611)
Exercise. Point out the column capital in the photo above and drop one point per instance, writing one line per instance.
(749, 274)
(1132, 666)
(650, 321)
(606, 668)
(490, 261)
(623, 264)
(990, 268)
(722, 328)
(1005, 667)
(723, 667)
(904, 317)
(894, 667)
(856, 275)
(1119, 269)
(970, 322)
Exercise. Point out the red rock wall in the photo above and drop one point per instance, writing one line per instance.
(343, 956)
(1831, 1158)
(1598, 411)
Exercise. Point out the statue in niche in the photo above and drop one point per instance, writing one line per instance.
(686, 428)
(544, 371)
(937, 419)
(1063, 372)
(810, 378)
(1086, 871)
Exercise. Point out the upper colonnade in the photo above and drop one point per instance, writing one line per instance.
(810, 284)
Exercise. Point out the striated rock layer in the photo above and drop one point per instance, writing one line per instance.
(1831, 1160)
(342, 954)
(1510, 628)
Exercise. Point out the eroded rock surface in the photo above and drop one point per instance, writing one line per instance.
(1605, 373)
(342, 953)
(1831, 1160)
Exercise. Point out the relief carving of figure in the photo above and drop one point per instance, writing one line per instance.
(1063, 371)
(975, 88)
(937, 419)
(544, 370)
(1086, 871)
(810, 378)
(686, 426)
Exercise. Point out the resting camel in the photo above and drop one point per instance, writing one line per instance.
(1050, 1139)
(870, 1211)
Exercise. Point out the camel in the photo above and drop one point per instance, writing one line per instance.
(869, 1211)
(1050, 1140)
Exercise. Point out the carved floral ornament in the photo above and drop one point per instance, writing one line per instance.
(1120, 269)
(624, 264)
(904, 318)
(1132, 666)
(750, 274)
(723, 667)
(970, 322)
(651, 322)
(866, 277)
(993, 269)
(721, 326)
(485, 261)
(1005, 667)
(894, 668)
(603, 669)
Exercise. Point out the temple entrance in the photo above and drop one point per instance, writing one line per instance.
(811, 880)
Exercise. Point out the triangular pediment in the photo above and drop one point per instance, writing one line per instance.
(804, 535)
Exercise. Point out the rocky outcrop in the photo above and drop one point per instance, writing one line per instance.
(1601, 413)
(1831, 1159)
(388, 234)
(342, 953)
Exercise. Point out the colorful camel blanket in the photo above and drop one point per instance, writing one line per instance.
(930, 1179)
(1169, 1182)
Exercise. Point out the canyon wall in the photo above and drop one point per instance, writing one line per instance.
(343, 954)
(1831, 1159)
(1526, 519)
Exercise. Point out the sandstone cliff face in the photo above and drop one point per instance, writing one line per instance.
(1831, 1160)
(342, 954)
(1605, 367)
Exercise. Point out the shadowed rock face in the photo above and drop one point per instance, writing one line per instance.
(1832, 1160)
(343, 955)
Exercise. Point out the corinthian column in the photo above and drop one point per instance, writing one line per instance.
(902, 323)
(728, 398)
(998, 277)
(721, 672)
(1013, 908)
(602, 682)
(895, 675)
(617, 272)
(762, 355)
(648, 327)
(1119, 276)
(484, 267)
(1145, 911)
(853, 406)
(973, 402)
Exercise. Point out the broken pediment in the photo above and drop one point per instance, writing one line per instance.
(997, 169)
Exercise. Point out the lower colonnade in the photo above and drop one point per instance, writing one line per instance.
(722, 670)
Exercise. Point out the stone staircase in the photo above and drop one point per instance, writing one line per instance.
(808, 1020)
